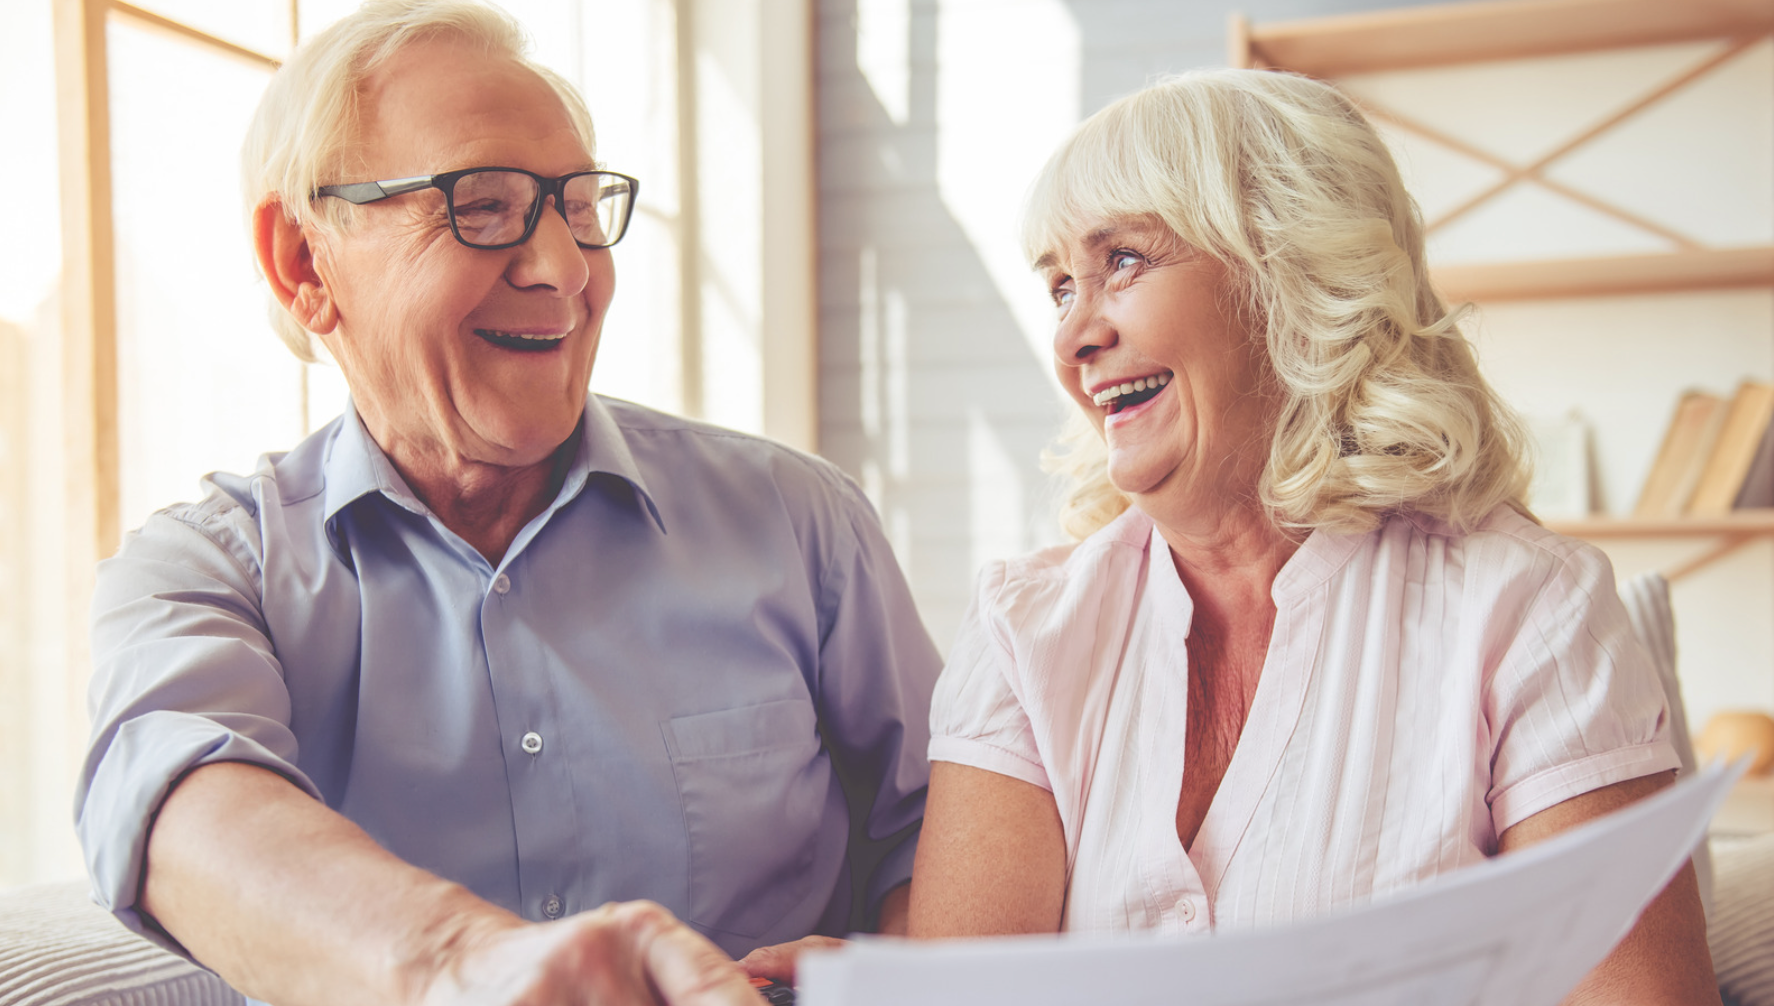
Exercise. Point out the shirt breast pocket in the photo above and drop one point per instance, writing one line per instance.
(753, 789)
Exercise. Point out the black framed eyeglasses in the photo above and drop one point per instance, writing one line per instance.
(495, 208)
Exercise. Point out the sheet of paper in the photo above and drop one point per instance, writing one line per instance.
(1518, 930)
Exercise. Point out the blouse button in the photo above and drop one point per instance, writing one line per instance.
(1186, 909)
(501, 584)
(551, 906)
(532, 743)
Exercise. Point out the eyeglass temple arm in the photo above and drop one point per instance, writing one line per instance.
(369, 192)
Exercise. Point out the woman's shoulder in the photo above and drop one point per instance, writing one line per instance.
(1043, 586)
(1505, 528)
(1505, 549)
(1045, 630)
(1123, 539)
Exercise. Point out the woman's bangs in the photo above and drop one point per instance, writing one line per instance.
(1089, 181)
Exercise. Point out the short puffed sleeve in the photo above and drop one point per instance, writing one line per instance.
(977, 715)
(1574, 703)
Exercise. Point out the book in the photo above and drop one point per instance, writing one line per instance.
(1758, 485)
(1687, 444)
(1726, 469)
(1560, 489)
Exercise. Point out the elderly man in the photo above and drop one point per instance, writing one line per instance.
(487, 652)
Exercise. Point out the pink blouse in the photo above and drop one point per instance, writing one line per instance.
(1424, 690)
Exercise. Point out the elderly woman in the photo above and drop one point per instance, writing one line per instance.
(1312, 647)
(468, 695)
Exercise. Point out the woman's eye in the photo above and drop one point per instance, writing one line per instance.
(1123, 260)
(1062, 296)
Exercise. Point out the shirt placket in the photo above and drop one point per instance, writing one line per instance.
(1177, 902)
(541, 785)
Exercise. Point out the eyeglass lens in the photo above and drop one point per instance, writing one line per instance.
(494, 207)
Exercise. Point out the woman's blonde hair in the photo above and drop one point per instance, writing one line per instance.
(302, 134)
(1279, 177)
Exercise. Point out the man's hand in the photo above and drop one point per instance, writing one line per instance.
(293, 904)
(621, 954)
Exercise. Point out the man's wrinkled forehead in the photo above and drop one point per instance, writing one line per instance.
(438, 84)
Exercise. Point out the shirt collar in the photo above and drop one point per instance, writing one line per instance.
(603, 450)
(1317, 559)
(356, 466)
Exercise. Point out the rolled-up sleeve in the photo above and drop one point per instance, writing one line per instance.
(877, 669)
(184, 675)
(1575, 703)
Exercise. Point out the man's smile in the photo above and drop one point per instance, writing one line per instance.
(527, 342)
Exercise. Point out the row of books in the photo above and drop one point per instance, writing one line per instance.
(1717, 456)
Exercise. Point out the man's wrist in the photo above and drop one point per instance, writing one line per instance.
(457, 923)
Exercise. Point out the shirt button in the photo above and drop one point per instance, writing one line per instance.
(551, 905)
(532, 743)
(501, 584)
(1186, 909)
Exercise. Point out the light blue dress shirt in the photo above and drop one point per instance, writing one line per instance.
(652, 696)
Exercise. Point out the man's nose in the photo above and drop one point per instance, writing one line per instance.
(551, 258)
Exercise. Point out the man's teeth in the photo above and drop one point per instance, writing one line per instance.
(1108, 395)
(532, 336)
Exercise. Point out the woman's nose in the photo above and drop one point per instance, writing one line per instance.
(1081, 332)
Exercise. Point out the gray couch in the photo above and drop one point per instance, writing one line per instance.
(59, 949)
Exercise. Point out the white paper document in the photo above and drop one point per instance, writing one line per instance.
(1518, 930)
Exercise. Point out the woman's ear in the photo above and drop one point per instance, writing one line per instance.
(286, 257)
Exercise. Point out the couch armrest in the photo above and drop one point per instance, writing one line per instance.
(58, 947)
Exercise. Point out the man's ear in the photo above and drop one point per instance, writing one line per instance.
(287, 259)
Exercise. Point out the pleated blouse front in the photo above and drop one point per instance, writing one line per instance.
(1424, 690)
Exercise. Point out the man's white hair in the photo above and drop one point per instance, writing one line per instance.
(305, 126)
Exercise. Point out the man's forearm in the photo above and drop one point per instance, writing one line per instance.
(292, 903)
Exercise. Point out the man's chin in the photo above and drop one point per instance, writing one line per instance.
(529, 437)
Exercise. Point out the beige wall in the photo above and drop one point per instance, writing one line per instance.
(14, 679)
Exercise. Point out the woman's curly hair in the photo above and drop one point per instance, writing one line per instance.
(1282, 179)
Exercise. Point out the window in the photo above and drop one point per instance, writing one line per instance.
(136, 358)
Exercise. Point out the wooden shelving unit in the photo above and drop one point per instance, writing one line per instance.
(1751, 522)
(1729, 533)
(1455, 33)
(1498, 29)
(1493, 30)
(1669, 272)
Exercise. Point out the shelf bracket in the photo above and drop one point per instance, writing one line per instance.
(1725, 546)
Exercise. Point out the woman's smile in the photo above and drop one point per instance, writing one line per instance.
(1117, 398)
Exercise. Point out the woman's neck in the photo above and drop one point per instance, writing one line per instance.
(1228, 553)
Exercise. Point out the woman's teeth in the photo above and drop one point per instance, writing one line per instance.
(1126, 388)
